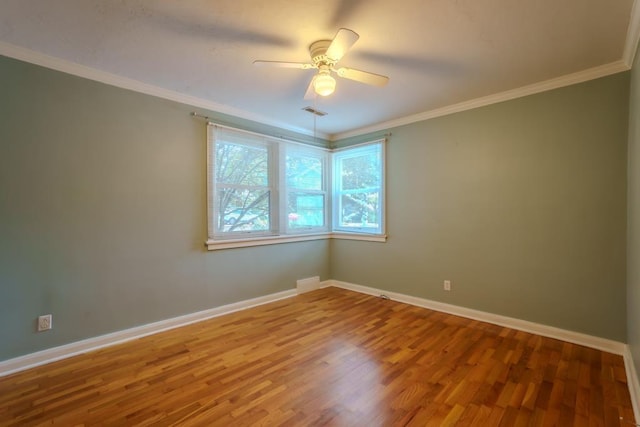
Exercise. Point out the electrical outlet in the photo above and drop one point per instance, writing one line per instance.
(447, 285)
(45, 322)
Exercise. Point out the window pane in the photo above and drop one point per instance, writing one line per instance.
(241, 164)
(358, 189)
(305, 210)
(243, 210)
(360, 209)
(304, 172)
(262, 186)
(361, 171)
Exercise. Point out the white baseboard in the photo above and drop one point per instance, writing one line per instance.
(57, 353)
(598, 343)
(633, 382)
(62, 352)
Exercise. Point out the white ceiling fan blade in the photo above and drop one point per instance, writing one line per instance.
(280, 64)
(341, 44)
(363, 76)
(311, 92)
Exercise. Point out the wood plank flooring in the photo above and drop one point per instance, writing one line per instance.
(328, 357)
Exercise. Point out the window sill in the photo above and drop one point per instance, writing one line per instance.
(214, 245)
(358, 236)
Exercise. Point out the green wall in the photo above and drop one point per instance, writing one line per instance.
(103, 214)
(522, 205)
(633, 219)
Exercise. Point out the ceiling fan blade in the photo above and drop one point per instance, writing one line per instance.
(311, 92)
(346, 11)
(363, 76)
(341, 44)
(280, 64)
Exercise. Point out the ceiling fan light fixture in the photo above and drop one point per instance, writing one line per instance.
(325, 54)
(324, 84)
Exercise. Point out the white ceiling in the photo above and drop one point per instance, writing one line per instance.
(437, 53)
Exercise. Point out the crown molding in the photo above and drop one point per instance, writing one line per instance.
(633, 35)
(43, 60)
(75, 69)
(558, 82)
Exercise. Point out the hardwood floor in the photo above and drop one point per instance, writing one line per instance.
(329, 357)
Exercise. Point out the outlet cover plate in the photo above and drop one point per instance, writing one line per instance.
(45, 322)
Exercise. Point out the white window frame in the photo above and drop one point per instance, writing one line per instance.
(271, 188)
(337, 191)
(323, 156)
(279, 231)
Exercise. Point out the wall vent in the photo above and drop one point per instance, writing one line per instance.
(314, 111)
(307, 285)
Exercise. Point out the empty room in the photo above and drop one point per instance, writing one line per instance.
(345, 213)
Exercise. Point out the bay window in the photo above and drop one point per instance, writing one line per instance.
(264, 190)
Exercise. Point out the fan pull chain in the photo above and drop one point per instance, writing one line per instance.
(315, 117)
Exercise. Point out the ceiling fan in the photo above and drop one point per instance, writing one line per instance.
(325, 54)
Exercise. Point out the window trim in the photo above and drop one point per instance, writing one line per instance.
(271, 187)
(335, 214)
(279, 231)
(213, 245)
(324, 155)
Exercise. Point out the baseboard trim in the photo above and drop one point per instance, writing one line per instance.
(632, 382)
(43, 357)
(603, 344)
(598, 343)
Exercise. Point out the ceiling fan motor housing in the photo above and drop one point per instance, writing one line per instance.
(325, 54)
(318, 50)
